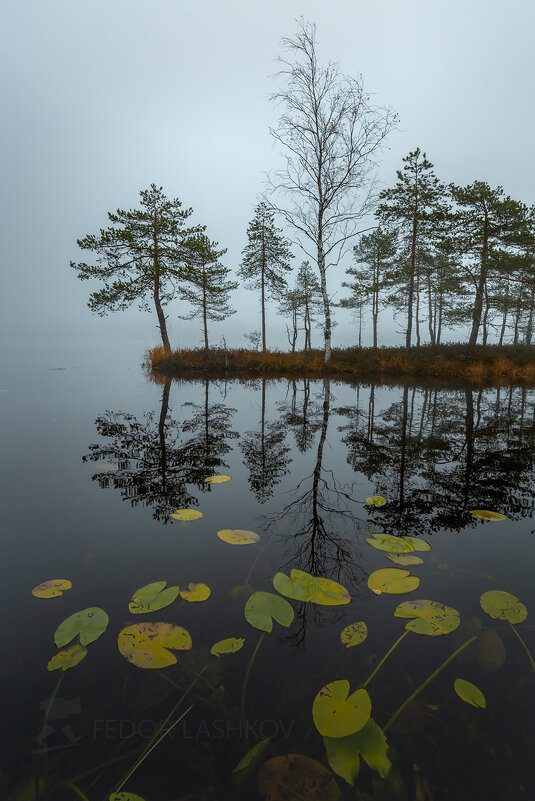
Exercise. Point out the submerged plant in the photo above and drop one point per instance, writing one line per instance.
(502, 605)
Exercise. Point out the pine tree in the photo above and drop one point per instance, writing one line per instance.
(144, 252)
(308, 287)
(208, 289)
(265, 259)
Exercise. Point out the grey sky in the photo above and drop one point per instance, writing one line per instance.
(100, 98)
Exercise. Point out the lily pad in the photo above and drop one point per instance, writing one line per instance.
(241, 592)
(343, 753)
(262, 608)
(330, 593)
(375, 500)
(484, 514)
(470, 693)
(52, 588)
(186, 514)
(248, 763)
(503, 606)
(405, 559)
(228, 646)
(125, 797)
(428, 617)
(297, 777)
(343, 757)
(389, 543)
(392, 580)
(237, 536)
(299, 586)
(336, 713)
(152, 597)
(146, 644)
(89, 624)
(217, 479)
(418, 544)
(196, 592)
(354, 634)
(68, 658)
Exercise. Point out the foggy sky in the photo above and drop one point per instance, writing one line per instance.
(100, 98)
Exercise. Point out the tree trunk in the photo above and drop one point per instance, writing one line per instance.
(263, 294)
(417, 315)
(205, 322)
(375, 305)
(480, 289)
(160, 314)
(161, 433)
(326, 305)
(529, 327)
(411, 276)
(430, 303)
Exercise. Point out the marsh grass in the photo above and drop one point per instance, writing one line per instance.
(478, 364)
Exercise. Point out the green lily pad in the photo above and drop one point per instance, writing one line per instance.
(241, 592)
(262, 608)
(418, 544)
(470, 693)
(248, 763)
(336, 713)
(354, 634)
(297, 777)
(68, 658)
(330, 593)
(299, 586)
(89, 623)
(389, 543)
(503, 606)
(125, 797)
(343, 753)
(428, 617)
(392, 580)
(152, 597)
(343, 757)
(375, 500)
(228, 646)
(407, 559)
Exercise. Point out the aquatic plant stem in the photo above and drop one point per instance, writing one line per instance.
(262, 549)
(248, 671)
(429, 679)
(45, 721)
(530, 657)
(383, 660)
(145, 752)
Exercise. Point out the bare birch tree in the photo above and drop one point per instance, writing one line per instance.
(331, 135)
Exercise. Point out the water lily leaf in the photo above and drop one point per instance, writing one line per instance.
(217, 479)
(375, 500)
(146, 644)
(89, 623)
(354, 634)
(428, 617)
(241, 592)
(336, 713)
(389, 543)
(237, 536)
(392, 580)
(503, 606)
(152, 597)
(405, 559)
(299, 585)
(296, 777)
(470, 693)
(330, 593)
(68, 658)
(262, 608)
(52, 588)
(228, 646)
(343, 757)
(186, 514)
(125, 797)
(490, 651)
(248, 763)
(196, 592)
(371, 744)
(484, 514)
(418, 544)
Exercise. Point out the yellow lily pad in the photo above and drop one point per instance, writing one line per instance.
(375, 500)
(338, 714)
(125, 797)
(484, 514)
(428, 617)
(389, 543)
(152, 597)
(186, 514)
(217, 479)
(196, 592)
(405, 559)
(146, 644)
(237, 536)
(392, 580)
(68, 658)
(503, 606)
(228, 646)
(470, 693)
(330, 593)
(418, 544)
(52, 588)
(354, 634)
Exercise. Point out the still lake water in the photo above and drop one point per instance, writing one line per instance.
(97, 456)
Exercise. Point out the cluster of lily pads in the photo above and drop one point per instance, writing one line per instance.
(343, 717)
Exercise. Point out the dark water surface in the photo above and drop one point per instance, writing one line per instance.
(95, 458)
